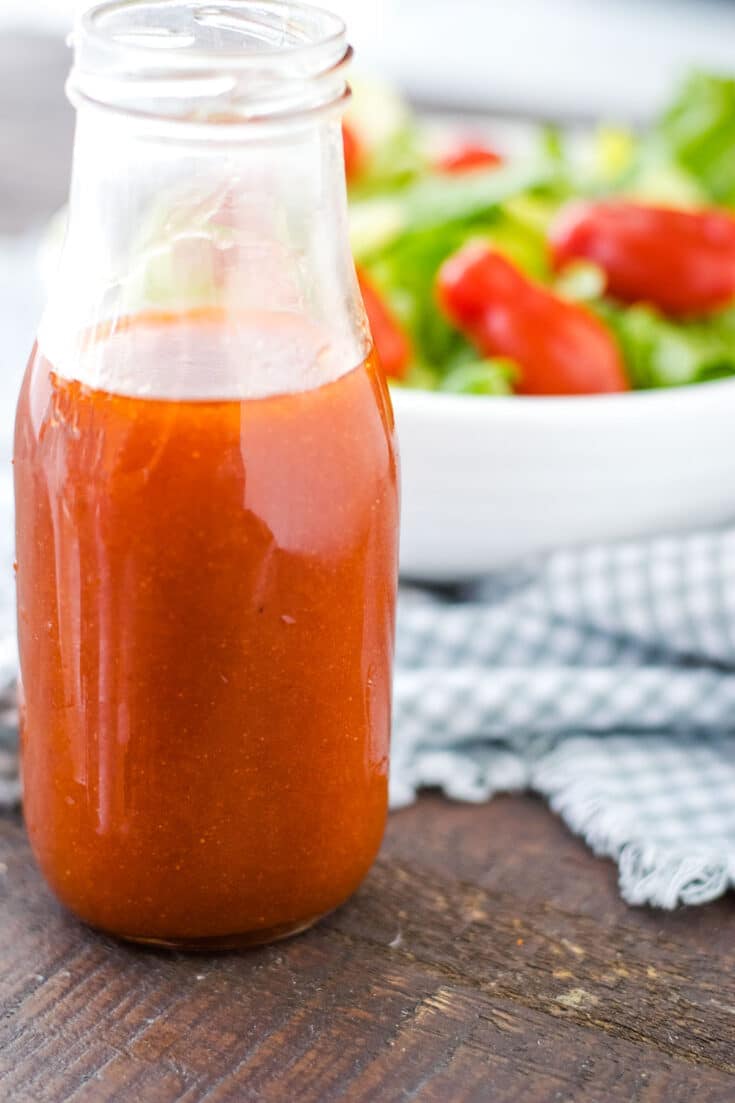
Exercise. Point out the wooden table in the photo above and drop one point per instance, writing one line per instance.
(487, 957)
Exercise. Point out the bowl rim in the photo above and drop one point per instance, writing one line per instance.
(533, 407)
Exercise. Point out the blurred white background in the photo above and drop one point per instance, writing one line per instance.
(558, 58)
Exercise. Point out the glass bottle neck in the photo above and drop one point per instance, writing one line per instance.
(238, 230)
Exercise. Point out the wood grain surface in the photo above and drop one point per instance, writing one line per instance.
(487, 957)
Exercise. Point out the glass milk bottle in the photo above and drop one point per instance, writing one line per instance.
(206, 491)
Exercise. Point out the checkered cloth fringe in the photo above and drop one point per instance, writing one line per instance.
(602, 678)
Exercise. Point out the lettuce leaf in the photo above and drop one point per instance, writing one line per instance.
(437, 204)
(698, 130)
(659, 352)
(489, 377)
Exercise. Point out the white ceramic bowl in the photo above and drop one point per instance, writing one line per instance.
(488, 481)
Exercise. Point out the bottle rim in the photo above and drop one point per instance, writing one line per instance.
(205, 66)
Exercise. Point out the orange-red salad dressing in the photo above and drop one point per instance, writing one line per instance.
(206, 602)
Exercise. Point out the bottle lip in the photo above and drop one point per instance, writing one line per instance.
(190, 63)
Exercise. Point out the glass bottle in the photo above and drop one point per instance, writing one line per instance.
(206, 491)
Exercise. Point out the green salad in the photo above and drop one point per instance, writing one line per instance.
(584, 266)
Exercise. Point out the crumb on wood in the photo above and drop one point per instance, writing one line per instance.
(578, 999)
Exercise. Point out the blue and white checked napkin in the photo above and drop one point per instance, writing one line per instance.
(602, 678)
